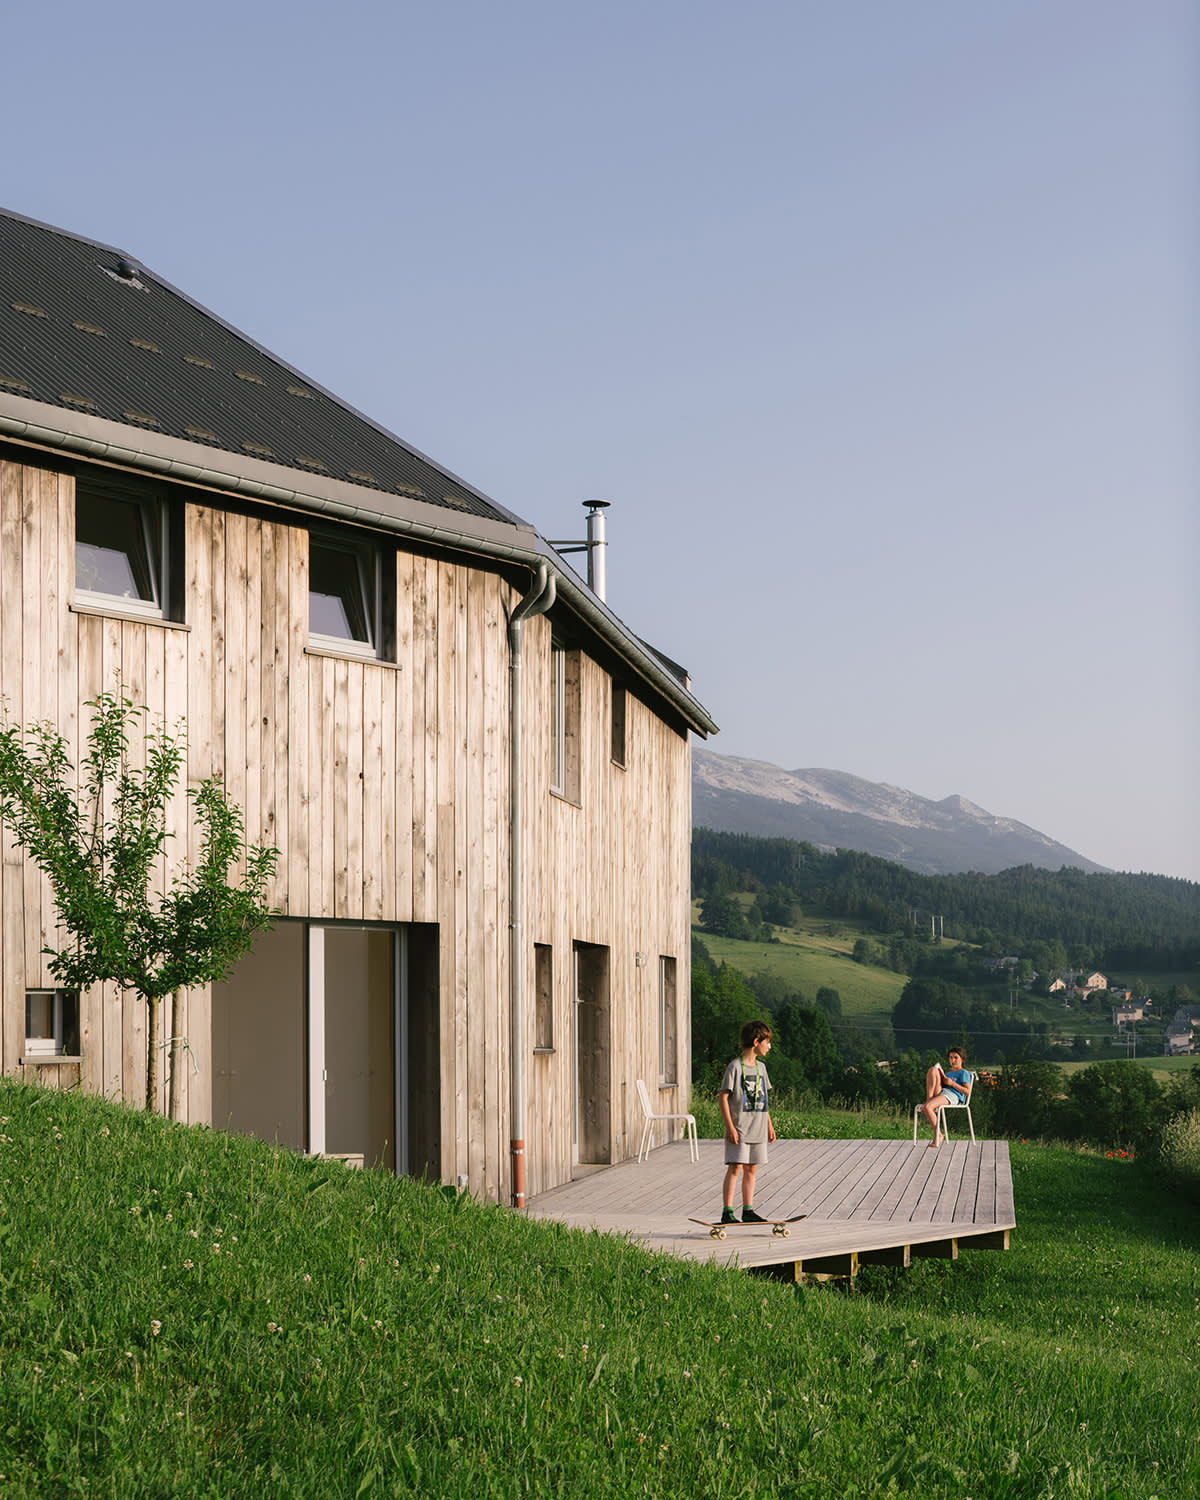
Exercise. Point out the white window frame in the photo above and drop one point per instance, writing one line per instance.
(369, 572)
(151, 509)
(64, 1008)
(316, 1001)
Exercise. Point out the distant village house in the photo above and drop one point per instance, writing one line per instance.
(1180, 1038)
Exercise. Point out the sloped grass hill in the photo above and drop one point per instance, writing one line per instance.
(188, 1313)
(1130, 922)
(804, 958)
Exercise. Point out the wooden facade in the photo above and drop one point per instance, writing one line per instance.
(385, 785)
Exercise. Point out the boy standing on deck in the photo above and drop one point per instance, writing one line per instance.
(748, 1128)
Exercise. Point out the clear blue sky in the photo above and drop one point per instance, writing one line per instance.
(876, 322)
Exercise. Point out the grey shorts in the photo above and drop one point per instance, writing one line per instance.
(745, 1154)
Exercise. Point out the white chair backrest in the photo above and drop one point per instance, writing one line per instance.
(643, 1095)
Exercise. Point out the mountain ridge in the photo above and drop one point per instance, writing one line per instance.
(838, 810)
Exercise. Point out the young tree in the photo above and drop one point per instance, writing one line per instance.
(99, 839)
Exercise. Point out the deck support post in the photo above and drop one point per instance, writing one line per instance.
(935, 1250)
(892, 1255)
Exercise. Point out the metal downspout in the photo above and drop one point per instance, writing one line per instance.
(537, 601)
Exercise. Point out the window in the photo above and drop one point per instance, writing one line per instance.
(543, 985)
(668, 1031)
(618, 724)
(51, 1023)
(564, 721)
(345, 596)
(558, 716)
(125, 541)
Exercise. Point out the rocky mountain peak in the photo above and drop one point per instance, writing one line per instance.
(836, 810)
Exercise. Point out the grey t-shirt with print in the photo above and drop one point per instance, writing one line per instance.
(748, 1089)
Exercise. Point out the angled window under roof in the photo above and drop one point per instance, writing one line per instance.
(347, 608)
(124, 540)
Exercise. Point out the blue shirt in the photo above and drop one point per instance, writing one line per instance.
(959, 1076)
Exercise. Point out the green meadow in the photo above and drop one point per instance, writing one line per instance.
(190, 1313)
(809, 955)
(1163, 1068)
(816, 951)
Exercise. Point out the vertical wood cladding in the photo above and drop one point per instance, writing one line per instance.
(385, 787)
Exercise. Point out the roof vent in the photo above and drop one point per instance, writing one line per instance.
(125, 271)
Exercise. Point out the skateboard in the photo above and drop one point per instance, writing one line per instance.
(780, 1228)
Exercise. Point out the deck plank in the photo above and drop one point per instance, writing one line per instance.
(860, 1196)
(967, 1200)
(1004, 1209)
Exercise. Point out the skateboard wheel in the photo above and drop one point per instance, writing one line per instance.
(786, 1232)
(718, 1234)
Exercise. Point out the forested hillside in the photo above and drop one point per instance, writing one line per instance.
(1148, 923)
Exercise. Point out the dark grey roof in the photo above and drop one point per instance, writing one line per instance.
(103, 359)
(86, 328)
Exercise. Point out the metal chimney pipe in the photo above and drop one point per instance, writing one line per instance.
(597, 545)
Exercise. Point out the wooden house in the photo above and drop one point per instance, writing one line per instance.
(477, 775)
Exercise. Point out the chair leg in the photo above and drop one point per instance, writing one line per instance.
(646, 1128)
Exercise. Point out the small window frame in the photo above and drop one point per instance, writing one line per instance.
(668, 1022)
(565, 670)
(368, 604)
(543, 997)
(558, 717)
(56, 1036)
(618, 722)
(153, 556)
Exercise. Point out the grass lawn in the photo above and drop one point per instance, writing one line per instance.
(188, 1313)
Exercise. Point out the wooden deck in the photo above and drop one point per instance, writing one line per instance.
(868, 1202)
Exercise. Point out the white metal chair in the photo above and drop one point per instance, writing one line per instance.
(689, 1128)
(966, 1104)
